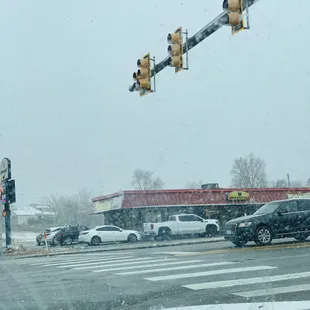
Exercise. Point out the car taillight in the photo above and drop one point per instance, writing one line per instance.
(152, 226)
(84, 232)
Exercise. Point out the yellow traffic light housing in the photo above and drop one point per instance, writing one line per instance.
(142, 77)
(235, 14)
(175, 50)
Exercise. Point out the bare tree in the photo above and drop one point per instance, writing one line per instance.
(71, 209)
(194, 184)
(279, 183)
(249, 171)
(56, 203)
(144, 180)
(296, 183)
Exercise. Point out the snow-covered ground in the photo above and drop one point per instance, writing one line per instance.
(292, 305)
(22, 237)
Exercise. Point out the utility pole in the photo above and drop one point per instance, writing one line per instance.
(1, 226)
(8, 196)
(288, 180)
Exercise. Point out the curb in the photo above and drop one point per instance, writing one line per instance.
(113, 249)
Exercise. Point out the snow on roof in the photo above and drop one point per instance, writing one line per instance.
(29, 211)
(26, 211)
(39, 206)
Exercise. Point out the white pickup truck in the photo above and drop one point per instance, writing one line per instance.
(183, 224)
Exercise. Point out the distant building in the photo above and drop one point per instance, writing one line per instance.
(21, 215)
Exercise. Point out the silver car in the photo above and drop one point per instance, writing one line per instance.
(50, 231)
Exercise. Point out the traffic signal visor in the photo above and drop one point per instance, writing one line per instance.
(234, 5)
(144, 62)
(174, 38)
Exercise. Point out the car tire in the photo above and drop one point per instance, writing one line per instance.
(164, 233)
(95, 241)
(211, 230)
(263, 235)
(55, 242)
(38, 243)
(68, 241)
(132, 238)
(301, 237)
(239, 243)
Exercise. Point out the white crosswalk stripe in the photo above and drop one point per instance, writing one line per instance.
(174, 253)
(209, 273)
(75, 258)
(87, 261)
(144, 266)
(274, 291)
(106, 261)
(185, 272)
(247, 281)
(174, 268)
(114, 262)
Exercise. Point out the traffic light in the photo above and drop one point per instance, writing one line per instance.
(175, 50)
(235, 14)
(10, 191)
(142, 77)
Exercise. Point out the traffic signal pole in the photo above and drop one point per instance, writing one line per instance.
(202, 34)
(7, 221)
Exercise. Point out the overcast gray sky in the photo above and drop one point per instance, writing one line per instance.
(69, 121)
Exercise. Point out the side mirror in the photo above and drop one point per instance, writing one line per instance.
(280, 213)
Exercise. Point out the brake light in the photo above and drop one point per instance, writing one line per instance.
(152, 226)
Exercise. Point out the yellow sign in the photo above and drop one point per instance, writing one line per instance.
(109, 204)
(302, 195)
(238, 196)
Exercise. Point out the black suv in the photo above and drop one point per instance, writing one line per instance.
(69, 234)
(277, 219)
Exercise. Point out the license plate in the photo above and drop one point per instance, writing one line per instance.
(228, 232)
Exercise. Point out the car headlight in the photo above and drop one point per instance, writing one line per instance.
(245, 224)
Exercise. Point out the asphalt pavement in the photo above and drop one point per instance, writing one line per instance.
(160, 278)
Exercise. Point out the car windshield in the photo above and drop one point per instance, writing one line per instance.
(269, 207)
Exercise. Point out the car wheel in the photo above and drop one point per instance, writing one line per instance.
(132, 238)
(38, 243)
(68, 241)
(301, 236)
(263, 235)
(211, 231)
(239, 243)
(164, 233)
(55, 241)
(95, 240)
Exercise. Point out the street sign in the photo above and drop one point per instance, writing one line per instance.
(5, 169)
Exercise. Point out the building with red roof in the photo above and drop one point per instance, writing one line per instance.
(130, 209)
